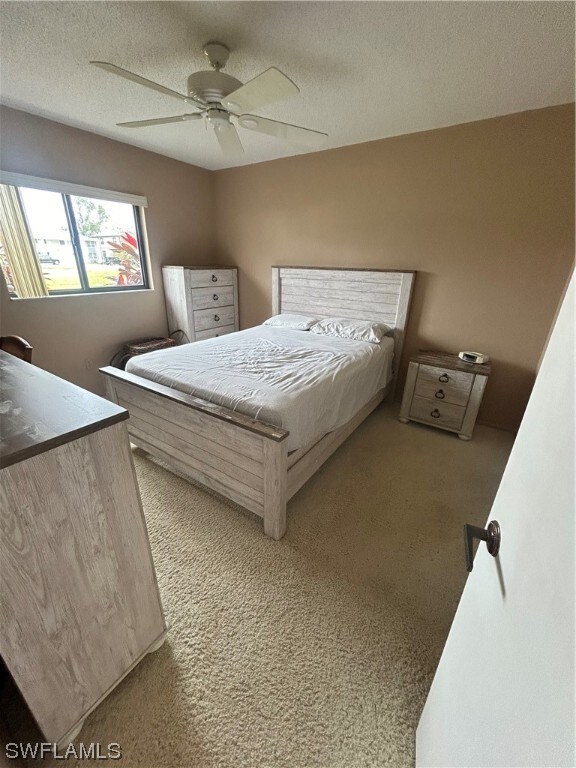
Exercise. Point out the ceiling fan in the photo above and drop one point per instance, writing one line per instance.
(220, 97)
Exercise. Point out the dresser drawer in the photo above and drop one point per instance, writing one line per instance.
(211, 333)
(444, 385)
(440, 414)
(213, 318)
(219, 296)
(204, 278)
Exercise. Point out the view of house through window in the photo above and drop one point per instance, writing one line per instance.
(52, 243)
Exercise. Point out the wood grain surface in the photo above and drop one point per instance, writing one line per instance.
(196, 403)
(436, 413)
(431, 384)
(443, 391)
(39, 411)
(201, 301)
(451, 362)
(79, 603)
(380, 295)
(212, 333)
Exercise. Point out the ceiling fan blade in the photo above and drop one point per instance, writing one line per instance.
(160, 120)
(266, 88)
(229, 140)
(114, 70)
(304, 137)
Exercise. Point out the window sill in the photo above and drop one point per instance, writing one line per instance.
(84, 295)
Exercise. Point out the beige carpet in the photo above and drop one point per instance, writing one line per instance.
(317, 650)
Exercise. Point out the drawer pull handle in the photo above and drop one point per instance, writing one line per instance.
(435, 413)
(215, 297)
(440, 394)
(216, 317)
(214, 279)
(444, 378)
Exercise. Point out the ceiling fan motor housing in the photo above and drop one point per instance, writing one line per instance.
(211, 86)
(217, 117)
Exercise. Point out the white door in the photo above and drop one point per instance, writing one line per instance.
(503, 694)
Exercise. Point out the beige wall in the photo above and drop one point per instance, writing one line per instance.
(67, 331)
(484, 211)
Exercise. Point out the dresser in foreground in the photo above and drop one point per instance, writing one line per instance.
(79, 600)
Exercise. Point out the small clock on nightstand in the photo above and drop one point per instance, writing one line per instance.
(443, 391)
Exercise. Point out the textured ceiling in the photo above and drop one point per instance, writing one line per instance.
(366, 70)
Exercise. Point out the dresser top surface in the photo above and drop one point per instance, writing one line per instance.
(40, 411)
(209, 267)
(450, 361)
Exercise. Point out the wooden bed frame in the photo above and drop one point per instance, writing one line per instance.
(243, 459)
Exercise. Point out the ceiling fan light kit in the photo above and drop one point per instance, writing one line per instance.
(219, 97)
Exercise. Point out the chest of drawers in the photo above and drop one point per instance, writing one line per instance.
(202, 302)
(79, 603)
(443, 391)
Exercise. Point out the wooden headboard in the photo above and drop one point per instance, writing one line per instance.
(364, 294)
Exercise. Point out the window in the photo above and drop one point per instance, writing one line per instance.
(68, 239)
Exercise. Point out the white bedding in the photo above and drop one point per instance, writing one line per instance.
(305, 383)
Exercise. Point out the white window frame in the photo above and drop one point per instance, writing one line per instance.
(67, 188)
(81, 190)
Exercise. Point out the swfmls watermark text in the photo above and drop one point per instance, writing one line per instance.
(45, 749)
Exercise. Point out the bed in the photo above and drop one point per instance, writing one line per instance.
(254, 414)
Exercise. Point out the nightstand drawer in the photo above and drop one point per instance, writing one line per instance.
(211, 333)
(204, 298)
(203, 278)
(213, 318)
(438, 413)
(444, 385)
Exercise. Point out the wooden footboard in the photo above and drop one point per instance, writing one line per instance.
(243, 459)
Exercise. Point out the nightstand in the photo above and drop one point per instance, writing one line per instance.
(443, 391)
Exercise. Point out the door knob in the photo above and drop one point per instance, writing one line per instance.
(490, 535)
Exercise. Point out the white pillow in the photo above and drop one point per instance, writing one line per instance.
(295, 322)
(360, 330)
